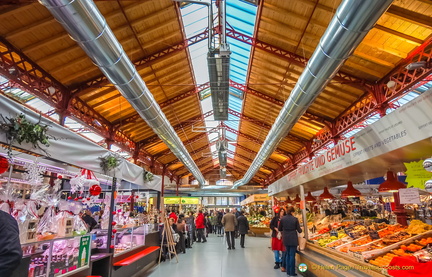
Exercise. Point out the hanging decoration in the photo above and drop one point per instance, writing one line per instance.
(84, 180)
(148, 176)
(19, 130)
(95, 190)
(4, 164)
(109, 163)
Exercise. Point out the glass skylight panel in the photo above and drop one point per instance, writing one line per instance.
(92, 136)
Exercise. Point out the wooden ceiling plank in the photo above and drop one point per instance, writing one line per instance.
(103, 102)
(75, 62)
(401, 35)
(30, 28)
(373, 59)
(413, 17)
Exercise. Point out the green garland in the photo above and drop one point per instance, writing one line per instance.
(19, 130)
(148, 176)
(109, 163)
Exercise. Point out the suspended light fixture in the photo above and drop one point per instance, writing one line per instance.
(350, 191)
(297, 199)
(309, 197)
(391, 184)
(326, 194)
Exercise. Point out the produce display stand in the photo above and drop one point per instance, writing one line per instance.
(258, 231)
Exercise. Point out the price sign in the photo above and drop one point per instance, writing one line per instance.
(333, 233)
(409, 196)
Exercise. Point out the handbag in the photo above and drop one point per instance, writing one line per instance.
(302, 243)
(279, 235)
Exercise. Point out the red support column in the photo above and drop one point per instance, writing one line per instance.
(399, 211)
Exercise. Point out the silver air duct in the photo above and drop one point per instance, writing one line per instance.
(351, 23)
(88, 28)
(218, 61)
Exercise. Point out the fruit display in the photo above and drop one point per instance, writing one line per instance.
(383, 260)
(417, 227)
(397, 237)
(390, 230)
(361, 241)
(259, 221)
(425, 241)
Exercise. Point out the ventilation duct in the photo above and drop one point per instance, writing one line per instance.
(89, 29)
(351, 23)
(218, 61)
(219, 66)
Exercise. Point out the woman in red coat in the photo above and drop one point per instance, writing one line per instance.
(276, 243)
(200, 226)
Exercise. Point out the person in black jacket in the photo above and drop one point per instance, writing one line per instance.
(243, 228)
(89, 220)
(10, 247)
(289, 225)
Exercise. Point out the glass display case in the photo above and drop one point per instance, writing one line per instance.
(58, 257)
(124, 239)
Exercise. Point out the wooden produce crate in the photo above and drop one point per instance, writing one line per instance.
(258, 231)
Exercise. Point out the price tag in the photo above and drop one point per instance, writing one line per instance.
(373, 235)
(333, 233)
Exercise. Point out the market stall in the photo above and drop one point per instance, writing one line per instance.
(46, 184)
(182, 204)
(375, 229)
(258, 210)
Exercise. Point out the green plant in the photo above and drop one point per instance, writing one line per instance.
(109, 163)
(148, 176)
(19, 130)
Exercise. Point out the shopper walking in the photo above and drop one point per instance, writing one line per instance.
(219, 223)
(214, 221)
(276, 241)
(200, 227)
(10, 247)
(290, 227)
(229, 221)
(243, 228)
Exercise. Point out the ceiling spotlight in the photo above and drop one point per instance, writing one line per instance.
(391, 84)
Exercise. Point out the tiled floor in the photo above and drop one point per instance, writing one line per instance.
(214, 259)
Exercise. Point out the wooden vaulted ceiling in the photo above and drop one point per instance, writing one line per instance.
(152, 34)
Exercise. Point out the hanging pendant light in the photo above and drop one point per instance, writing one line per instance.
(350, 191)
(326, 194)
(391, 184)
(309, 197)
(297, 199)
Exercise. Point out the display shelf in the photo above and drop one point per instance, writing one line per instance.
(58, 257)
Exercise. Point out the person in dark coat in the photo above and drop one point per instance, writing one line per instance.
(243, 228)
(10, 247)
(89, 220)
(290, 227)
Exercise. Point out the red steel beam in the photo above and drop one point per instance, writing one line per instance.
(146, 61)
(248, 160)
(195, 91)
(344, 78)
(265, 125)
(255, 140)
(25, 74)
(177, 127)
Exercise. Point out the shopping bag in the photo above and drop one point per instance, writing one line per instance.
(302, 243)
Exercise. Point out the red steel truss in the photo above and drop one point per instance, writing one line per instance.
(146, 61)
(25, 74)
